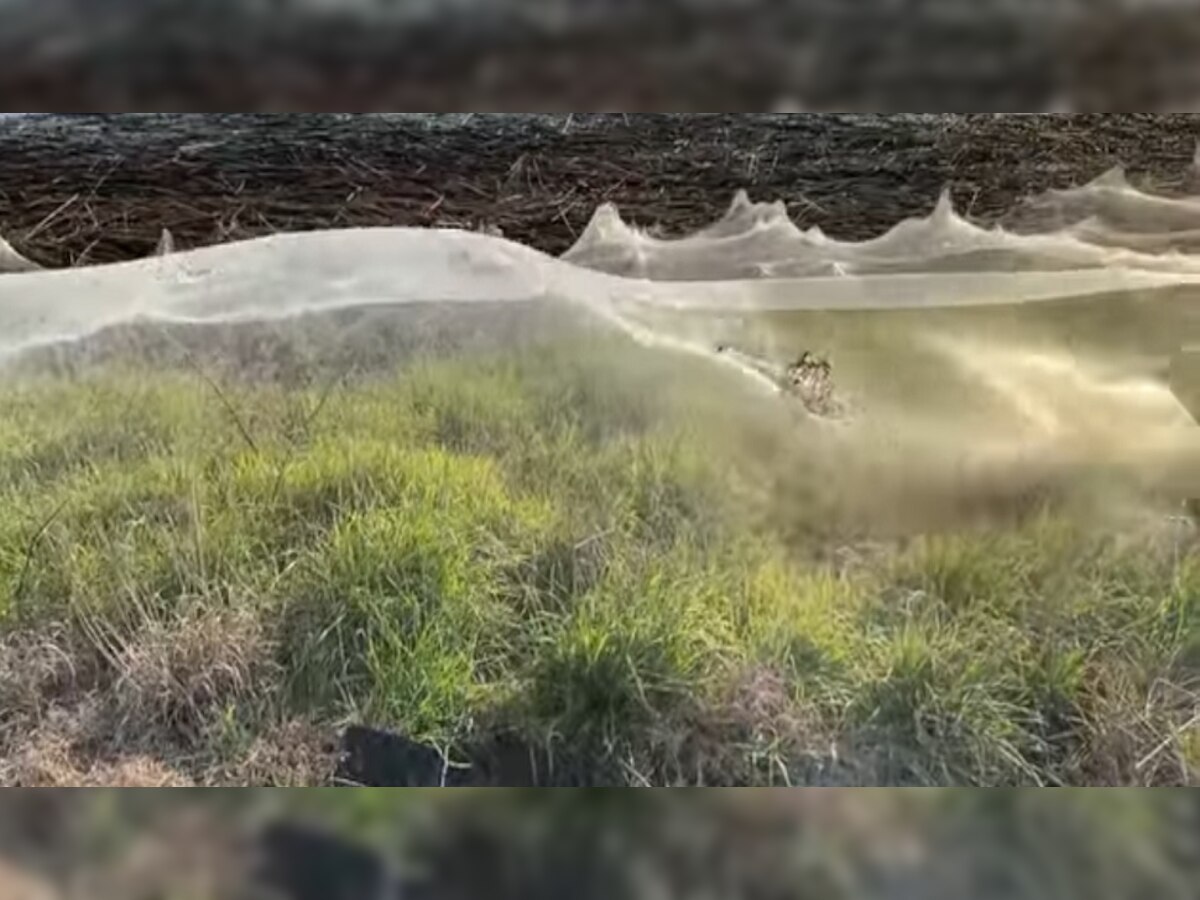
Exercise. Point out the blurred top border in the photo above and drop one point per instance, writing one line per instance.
(597, 55)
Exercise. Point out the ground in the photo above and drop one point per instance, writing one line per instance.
(219, 546)
(104, 189)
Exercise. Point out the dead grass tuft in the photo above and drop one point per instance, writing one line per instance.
(754, 733)
(142, 710)
(1151, 743)
(66, 752)
(174, 677)
(295, 754)
(37, 668)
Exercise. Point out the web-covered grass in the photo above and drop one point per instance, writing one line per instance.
(195, 571)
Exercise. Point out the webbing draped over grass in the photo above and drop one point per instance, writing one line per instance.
(529, 543)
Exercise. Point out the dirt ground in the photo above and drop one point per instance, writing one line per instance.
(94, 189)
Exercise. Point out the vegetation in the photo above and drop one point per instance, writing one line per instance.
(202, 578)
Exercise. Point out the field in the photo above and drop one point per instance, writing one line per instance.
(530, 549)
(558, 557)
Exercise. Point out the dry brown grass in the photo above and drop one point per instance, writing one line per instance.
(754, 732)
(37, 668)
(175, 677)
(1133, 738)
(52, 762)
(148, 709)
(294, 754)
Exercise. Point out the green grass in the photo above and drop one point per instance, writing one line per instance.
(538, 544)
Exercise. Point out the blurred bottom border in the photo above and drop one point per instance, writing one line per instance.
(501, 843)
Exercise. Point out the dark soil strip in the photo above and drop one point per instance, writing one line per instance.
(101, 188)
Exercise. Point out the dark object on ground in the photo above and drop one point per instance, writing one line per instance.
(374, 758)
(371, 757)
(507, 761)
(304, 863)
